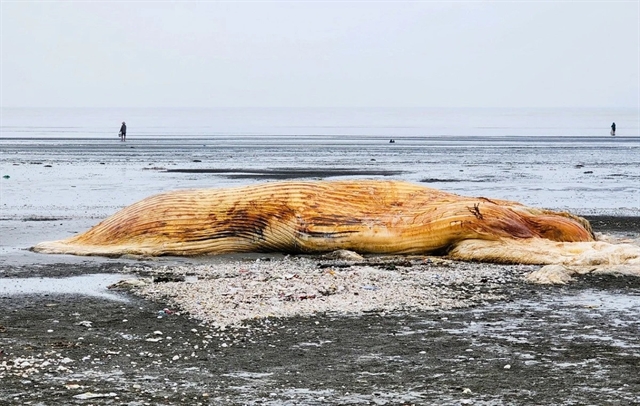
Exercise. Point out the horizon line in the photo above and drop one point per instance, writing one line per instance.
(321, 107)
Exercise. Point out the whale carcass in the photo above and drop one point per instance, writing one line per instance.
(366, 216)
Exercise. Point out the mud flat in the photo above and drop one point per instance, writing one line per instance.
(471, 333)
(484, 337)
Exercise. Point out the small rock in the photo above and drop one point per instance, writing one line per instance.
(344, 254)
(127, 284)
(91, 395)
(168, 278)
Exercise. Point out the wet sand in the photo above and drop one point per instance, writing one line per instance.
(511, 343)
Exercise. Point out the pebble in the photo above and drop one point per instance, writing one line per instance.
(228, 293)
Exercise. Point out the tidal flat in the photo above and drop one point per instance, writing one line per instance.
(486, 337)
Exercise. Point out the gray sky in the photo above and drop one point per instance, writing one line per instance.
(320, 54)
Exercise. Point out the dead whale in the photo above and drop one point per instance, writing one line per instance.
(365, 216)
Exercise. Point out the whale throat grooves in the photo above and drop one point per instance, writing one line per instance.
(304, 217)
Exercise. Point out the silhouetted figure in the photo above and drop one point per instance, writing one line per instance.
(123, 132)
(613, 129)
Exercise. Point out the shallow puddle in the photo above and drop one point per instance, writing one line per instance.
(88, 285)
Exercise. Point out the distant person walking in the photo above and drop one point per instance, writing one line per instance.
(613, 129)
(123, 132)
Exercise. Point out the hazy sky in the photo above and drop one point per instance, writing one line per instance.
(329, 54)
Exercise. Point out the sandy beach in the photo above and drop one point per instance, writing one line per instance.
(279, 329)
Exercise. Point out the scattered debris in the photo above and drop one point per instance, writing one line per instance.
(230, 293)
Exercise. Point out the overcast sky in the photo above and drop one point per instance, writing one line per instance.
(325, 54)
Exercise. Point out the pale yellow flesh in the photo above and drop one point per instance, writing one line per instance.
(366, 216)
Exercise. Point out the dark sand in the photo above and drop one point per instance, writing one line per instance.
(570, 345)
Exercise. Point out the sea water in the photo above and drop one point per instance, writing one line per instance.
(238, 123)
(72, 159)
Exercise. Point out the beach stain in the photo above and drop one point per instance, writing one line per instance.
(288, 173)
(452, 180)
(43, 218)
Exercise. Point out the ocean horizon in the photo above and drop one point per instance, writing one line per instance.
(90, 122)
(555, 158)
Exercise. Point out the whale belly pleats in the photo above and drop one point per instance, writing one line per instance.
(367, 216)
